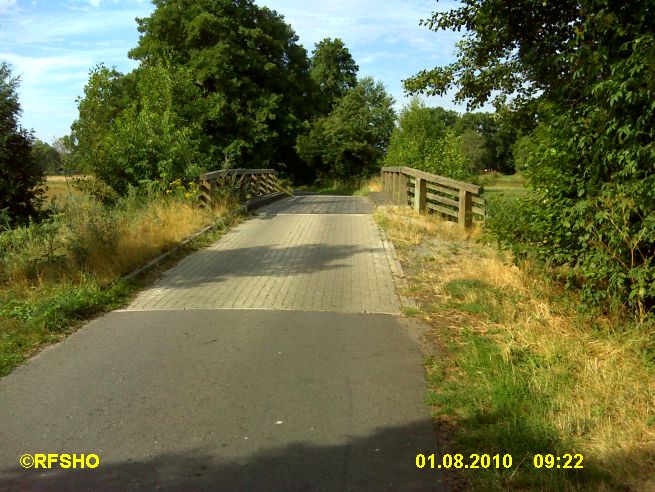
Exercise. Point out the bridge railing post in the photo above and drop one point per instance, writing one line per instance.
(465, 210)
(205, 189)
(420, 195)
(403, 196)
(452, 199)
(395, 188)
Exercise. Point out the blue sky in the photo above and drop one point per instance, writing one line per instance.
(53, 44)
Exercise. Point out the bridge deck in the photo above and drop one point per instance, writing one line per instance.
(309, 253)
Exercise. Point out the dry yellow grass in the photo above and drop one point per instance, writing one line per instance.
(60, 271)
(60, 188)
(161, 226)
(105, 242)
(606, 406)
(374, 184)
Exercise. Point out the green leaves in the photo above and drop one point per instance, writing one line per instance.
(20, 174)
(221, 83)
(145, 126)
(445, 143)
(350, 141)
(333, 71)
(585, 72)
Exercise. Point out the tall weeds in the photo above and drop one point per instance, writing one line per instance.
(68, 267)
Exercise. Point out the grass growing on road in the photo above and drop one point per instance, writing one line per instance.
(520, 372)
(59, 272)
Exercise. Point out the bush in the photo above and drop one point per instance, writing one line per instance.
(140, 128)
(425, 139)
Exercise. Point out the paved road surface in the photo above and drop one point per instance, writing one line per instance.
(204, 384)
(290, 257)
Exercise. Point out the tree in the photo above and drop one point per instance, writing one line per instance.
(106, 95)
(350, 142)
(425, 138)
(499, 131)
(334, 72)
(20, 175)
(46, 157)
(516, 48)
(585, 70)
(64, 152)
(419, 128)
(475, 149)
(253, 74)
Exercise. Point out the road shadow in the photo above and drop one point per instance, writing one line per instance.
(213, 266)
(318, 204)
(385, 460)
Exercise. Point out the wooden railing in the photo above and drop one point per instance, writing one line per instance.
(457, 200)
(245, 184)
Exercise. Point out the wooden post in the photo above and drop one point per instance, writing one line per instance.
(205, 193)
(403, 196)
(420, 194)
(465, 215)
(255, 185)
(386, 184)
(262, 185)
(396, 189)
(269, 184)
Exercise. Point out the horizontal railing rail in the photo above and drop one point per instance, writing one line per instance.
(457, 200)
(244, 183)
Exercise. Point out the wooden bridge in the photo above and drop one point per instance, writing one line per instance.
(456, 200)
(252, 186)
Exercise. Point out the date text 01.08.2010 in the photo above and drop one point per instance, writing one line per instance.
(459, 461)
(485, 461)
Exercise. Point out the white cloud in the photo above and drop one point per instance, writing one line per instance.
(53, 45)
(385, 38)
(359, 23)
(5, 5)
(48, 32)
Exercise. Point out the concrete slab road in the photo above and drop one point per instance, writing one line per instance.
(274, 398)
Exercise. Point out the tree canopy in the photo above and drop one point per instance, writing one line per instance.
(20, 175)
(145, 126)
(333, 71)
(350, 142)
(425, 139)
(220, 84)
(47, 158)
(249, 65)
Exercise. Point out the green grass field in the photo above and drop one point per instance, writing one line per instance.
(509, 186)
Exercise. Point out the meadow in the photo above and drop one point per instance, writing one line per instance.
(60, 271)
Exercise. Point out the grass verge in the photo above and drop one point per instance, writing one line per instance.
(521, 372)
(56, 274)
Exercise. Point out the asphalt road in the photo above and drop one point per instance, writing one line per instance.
(225, 399)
